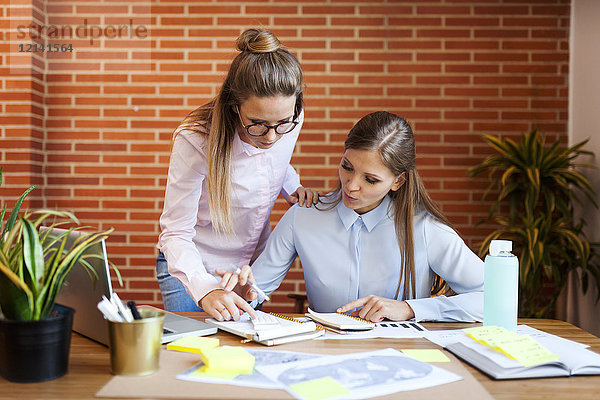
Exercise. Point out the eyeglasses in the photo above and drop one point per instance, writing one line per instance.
(262, 129)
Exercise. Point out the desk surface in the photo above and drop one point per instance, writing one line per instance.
(89, 366)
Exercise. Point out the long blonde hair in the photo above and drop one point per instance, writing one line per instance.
(392, 137)
(263, 68)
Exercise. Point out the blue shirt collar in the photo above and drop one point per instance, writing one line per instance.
(370, 219)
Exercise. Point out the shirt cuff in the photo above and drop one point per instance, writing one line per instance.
(201, 285)
(425, 309)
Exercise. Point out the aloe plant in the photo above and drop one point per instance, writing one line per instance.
(33, 264)
(539, 184)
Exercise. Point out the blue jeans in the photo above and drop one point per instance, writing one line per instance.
(174, 296)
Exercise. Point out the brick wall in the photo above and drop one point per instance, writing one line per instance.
(93, 126)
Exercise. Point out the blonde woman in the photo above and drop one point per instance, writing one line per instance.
(229, 162)
(378, 244)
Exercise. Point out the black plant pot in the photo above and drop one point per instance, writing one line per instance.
(36, 351)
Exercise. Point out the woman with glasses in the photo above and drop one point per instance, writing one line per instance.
(229, 162)
(378, 244)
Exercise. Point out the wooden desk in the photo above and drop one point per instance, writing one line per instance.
(89, 366)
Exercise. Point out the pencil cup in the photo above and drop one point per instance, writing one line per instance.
(135, 346)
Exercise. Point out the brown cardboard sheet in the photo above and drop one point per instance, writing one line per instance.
(164, 385)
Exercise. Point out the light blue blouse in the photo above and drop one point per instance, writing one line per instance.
(346, 256)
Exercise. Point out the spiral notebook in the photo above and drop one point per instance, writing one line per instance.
(286, 331)
(340, 321)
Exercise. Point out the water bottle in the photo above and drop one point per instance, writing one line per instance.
(501, 286)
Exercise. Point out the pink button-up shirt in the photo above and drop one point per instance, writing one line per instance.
(192, 249)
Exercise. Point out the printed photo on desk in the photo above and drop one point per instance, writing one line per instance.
(357, 375)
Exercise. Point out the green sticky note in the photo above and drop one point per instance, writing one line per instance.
(426, 355)
(317, 389)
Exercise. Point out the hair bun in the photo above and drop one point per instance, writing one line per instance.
(258, 41)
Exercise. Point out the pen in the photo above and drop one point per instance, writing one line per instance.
(255, 287)
(134, 310)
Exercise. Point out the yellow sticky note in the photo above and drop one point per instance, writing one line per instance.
(321, 388)
(426, 355)
(228, 359)
(193, 344)
(208, 373)
(526, 351)
(482, 333)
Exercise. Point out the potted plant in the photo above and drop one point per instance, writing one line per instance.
(537, 186)
(35, 332)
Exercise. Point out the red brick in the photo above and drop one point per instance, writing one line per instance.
(443, 33)
(445, 56)
(328, 10)
(516, 11)
(243, 21)
(472, 21)
(327, 32)
(214, 9)
(414, 44)
(186, 21)
(445, 10)
(356, 21)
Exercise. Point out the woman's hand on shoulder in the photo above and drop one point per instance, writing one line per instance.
(376, 309)
(304, 197)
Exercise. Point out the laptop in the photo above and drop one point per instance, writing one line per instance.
(82, 293)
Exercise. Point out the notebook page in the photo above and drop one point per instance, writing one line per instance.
(340, 321)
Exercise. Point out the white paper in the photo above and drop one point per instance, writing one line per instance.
(255, 379)
(388, 330)
(365, 375)
(542, 336)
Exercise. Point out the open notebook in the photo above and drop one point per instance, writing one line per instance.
(340, 321)
(283, 330)
(572, 358)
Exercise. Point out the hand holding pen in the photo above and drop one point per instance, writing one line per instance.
(244, 278)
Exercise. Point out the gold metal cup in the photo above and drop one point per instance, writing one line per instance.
(135, 346)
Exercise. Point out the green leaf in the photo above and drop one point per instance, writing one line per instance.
(33, 255)
(16, 300)
(15, 211)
